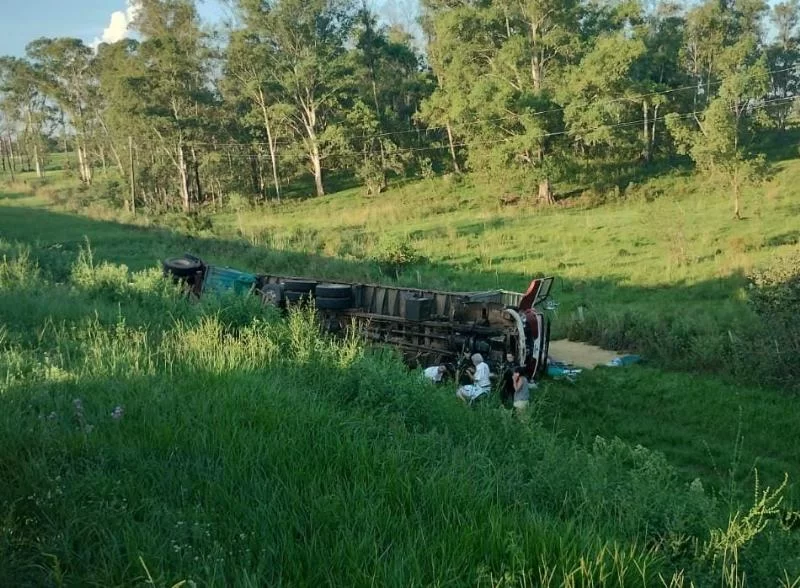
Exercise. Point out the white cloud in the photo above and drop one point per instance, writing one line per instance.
(119, 25)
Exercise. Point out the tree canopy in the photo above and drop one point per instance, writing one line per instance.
(299, 93)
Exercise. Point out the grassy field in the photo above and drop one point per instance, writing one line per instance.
(149, 440)
(365, 475)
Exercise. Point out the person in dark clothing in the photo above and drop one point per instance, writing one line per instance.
(507, 381)
(521, 389)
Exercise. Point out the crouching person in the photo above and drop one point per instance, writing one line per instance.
(435, 373)
(480, 377)
(522, 388)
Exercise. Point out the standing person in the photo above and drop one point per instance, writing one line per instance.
(481, 383)
(521, 389)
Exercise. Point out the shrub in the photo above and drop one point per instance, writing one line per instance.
(774, 295)
(394, 253)
(774, 291)
(102, 278)
(194, 222)
(18, 271)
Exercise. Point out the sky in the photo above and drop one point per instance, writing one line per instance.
(22, 21)
(90, 20)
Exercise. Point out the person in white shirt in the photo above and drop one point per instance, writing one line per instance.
(480, 378)
(435, 373)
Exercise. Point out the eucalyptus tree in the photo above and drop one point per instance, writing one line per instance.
(500, 64)
(247, 78)
(173, 87)
(24, 108)
(64, 67)
(306, 61)
(783, 56)
(388, 87)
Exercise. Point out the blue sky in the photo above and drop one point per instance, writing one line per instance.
(27, 20)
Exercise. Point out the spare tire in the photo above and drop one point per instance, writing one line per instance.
(301, 286)
(334, 303)
(182, 267)
(334, 291)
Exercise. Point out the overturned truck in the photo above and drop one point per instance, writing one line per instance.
(427, 326)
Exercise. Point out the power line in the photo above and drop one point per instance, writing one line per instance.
(517, 116)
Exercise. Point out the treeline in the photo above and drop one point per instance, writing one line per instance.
(524, 91)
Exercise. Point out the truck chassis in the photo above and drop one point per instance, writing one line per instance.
(427, 326)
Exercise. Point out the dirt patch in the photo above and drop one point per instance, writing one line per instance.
(580, 354)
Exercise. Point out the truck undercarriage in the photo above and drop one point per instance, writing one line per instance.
(427, 326)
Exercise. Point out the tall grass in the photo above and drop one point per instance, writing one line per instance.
(228, 445)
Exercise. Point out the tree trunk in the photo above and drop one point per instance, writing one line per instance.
(273, 156)
(84, 167)
(456, 168)
(11, 157)
(736, 209)
(196, 166)
(255, 175)
(646, 133)
(132, 175)
(64, 136)
(80, 161)
(309, 117)
(88, 172)
(37, 163)
(545, 195)
(316, 163)
(103, 160)
(183, 178)
(653, 132)
(114, 151)
(263, 188)
(380, 127)
(537, 72)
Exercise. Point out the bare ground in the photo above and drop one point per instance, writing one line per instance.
(580, 354)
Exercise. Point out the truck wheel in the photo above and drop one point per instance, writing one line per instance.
(334, 291)
(334, 303)
(182, 267)
(299, 286)
(296, 297)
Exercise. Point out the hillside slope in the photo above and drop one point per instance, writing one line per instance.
(661, 271)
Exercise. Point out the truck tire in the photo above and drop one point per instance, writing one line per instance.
(182, 267)
(334, 303)
(299, 286)
(296, 297)
(334, 291)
